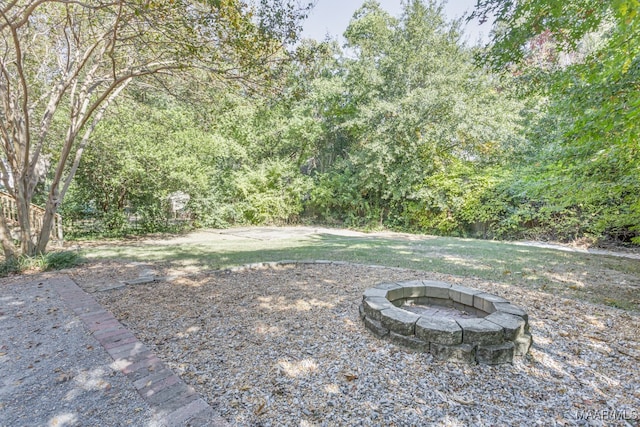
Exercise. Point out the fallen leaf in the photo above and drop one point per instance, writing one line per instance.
(260, 408)
(463, 400)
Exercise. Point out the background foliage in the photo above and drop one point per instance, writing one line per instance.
(537, 138)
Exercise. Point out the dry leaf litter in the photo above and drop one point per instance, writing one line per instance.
(285, 346)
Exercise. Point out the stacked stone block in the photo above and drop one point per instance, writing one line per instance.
(498, 333)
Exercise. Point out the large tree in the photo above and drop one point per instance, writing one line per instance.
(64, 61)
(583, 58)
(413, 106)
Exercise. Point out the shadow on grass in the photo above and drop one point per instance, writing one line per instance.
(595, 278)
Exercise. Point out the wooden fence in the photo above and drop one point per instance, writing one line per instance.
(10, 212)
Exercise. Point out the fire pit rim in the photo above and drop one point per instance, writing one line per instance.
(497, 335)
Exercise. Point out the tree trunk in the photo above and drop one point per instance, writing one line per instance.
(51, 208)
(9, 249)
(23, 208)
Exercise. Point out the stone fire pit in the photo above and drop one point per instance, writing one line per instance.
(449, 321)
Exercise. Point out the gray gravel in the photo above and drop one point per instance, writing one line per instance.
(53, 372)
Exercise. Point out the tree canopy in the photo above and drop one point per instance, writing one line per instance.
(533, 136)
(74, 58)
(584, 58)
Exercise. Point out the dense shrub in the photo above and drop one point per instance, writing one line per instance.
(56, 260)
(270, 193)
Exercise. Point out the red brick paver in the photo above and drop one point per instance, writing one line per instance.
(165, 392)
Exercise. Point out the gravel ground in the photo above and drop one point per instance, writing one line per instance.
(285, 346)
(53, 372)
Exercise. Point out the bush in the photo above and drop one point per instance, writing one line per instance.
(271, 193)
(60, 259)
(9, 267)
(56, 260)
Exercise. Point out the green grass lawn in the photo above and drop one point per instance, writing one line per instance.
(604, 279)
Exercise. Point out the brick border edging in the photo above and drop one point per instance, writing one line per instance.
(177, 403)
